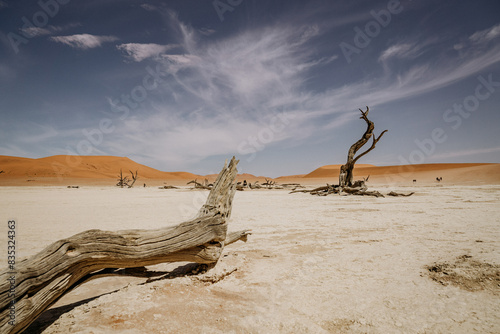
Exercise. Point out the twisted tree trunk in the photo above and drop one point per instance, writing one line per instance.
(346, 170)
(38, 282)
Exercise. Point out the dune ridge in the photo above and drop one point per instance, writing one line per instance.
(104, 169)
(96, 167)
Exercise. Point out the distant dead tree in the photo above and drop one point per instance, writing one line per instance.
(134, 178)
(1, 171)
(269, 183)
(198, 185)
(125, 181)
(122, 181)
(346, 170)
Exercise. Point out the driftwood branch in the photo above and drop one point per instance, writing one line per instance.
(168, 187)
(395, 194)
(199, 185)
(38, 282)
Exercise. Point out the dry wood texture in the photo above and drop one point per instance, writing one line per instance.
(41, 280)
(346, 170)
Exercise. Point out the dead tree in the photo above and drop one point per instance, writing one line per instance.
(41, 280)
(346, 170)
(269, 183)
(125, 181)
(122, 181)
(134, 178)
(346, 184)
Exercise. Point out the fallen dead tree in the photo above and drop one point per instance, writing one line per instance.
(395, 194)
(198, 185)
(168, 187)
(36, 283)
(335, 189)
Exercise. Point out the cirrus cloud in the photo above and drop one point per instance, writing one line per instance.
(83, 41)
(138, 52)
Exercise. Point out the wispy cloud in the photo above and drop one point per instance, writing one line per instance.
(479, 38)
(149, 7)
(403, 50)
(486, 35)
(48, 30)
(83, 41)
(237, 85)
(206, 31)
(138, 52)
(35, 31)
(218, 93)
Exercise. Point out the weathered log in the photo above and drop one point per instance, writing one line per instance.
(322, 191)
(322, 188)
(199, 185)
(395, 194)
(168, 187)
(38, 282)
(294, 186)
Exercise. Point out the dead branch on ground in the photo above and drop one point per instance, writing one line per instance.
(44, 278)
(198, 185)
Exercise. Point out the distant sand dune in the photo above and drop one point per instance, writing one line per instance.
(332, 170)
(459, 173)
(62, 169)
(83, 167)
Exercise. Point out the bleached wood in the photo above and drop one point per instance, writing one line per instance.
(42, 279)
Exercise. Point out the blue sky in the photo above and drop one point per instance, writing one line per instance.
(183, 85)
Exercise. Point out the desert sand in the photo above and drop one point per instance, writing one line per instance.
(335, 264)
(428, 263)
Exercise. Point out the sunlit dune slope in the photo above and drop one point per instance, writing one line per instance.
(95, 167)
(450, 172)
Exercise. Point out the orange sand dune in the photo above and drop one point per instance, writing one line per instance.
(456, 173)
(64, 167)
(331, 170)
(241, 177)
